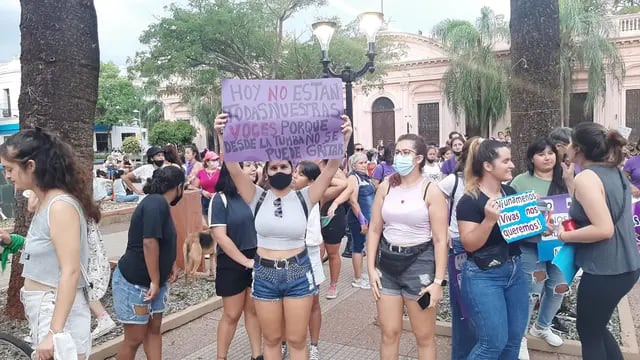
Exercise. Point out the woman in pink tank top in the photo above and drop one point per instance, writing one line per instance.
(408, 232)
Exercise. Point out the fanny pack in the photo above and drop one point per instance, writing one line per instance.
(491, 257)
(394, 260)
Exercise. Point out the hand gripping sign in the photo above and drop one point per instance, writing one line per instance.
(283, 119)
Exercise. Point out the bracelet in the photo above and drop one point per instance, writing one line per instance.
(53, 332)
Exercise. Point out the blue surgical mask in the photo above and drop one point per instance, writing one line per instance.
(403, 164)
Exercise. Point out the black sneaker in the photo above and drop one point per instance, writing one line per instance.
(559, 326)
(566, 314)
(346, 254)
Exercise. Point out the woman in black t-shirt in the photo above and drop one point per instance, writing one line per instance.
(140, 282)
(494, 286)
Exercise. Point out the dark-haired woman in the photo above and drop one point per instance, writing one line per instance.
(408, 232)
(140, 282)
(232, 227)
(192, 162)
(283, 282)
(171, 156)
(605, 240)
(56, 245)
(547, 284)
(494, 286)
(385, 167)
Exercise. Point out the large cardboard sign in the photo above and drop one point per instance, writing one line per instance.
(283, 119)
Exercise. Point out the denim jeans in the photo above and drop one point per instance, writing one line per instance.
(463, 334)
(127, 297)
(127, 198)
(497, 300)
(545, 289)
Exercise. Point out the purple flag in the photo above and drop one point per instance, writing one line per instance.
(283, 119)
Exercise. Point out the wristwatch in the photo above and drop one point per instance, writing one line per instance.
(440, 282)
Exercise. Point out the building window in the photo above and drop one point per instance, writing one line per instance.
(429, 122)
(102, 142)
(382, 104)
(5, 104)
(633, 113)
(126, 135)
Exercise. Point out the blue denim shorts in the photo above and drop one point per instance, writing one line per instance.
(126, 296)
(293, 280)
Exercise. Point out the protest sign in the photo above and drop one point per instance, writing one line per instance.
(519, 216)
(456, 262)
(636, 220)
(625, 131)
(283, 119)
(565, 260)
(558, 205)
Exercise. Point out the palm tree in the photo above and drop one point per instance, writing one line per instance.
(585, 45)
(476, 83)
(59, 93)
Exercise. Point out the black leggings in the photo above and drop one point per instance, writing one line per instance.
(598, 296)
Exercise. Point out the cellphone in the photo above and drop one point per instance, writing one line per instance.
(424, 301)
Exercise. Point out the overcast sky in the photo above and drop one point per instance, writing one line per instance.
(120, 22)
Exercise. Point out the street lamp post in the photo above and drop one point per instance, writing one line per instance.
(370, 24)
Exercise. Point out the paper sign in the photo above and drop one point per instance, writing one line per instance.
(519, 217)
(566, 262)
(636, 220)
(283, 119)
(558, 205)
(456, 262)
(624, 131)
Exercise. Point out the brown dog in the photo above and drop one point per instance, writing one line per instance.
(195, 246)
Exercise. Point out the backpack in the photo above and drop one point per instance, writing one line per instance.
(98, 271)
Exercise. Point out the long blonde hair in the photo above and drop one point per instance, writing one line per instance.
(480, 151)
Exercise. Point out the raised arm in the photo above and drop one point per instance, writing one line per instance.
(317, 189)
(335, 189)
(245, 187)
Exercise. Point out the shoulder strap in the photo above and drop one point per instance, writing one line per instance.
(259, 203)
(426, 189)
(452, 196)
(303, 203)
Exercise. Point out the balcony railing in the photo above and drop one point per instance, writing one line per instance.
(626, 25)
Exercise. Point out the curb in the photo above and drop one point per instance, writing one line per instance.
(629, 345)
(170, 322)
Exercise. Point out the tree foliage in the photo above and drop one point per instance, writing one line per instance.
(172, 132)
(131, 145)
(585, 44)
(196, 45)
(117, 97)
(476, 83)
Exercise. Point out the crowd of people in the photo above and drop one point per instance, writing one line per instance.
(405, 208)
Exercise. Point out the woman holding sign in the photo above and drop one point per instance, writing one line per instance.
(283, 282)
(494, 286)
(548, 285)
(606, 249)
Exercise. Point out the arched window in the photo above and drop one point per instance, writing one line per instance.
(382, 104)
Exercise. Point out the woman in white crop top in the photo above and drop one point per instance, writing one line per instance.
(283, 280)
(408, 232)
(56, 244)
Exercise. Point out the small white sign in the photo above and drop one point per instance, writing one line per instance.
(624, 131)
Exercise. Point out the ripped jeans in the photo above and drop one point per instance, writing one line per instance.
(129, 303)
(547, 285)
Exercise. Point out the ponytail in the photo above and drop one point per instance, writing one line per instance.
(471, 180)
(615, 143)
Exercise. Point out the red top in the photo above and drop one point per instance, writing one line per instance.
(208, 181)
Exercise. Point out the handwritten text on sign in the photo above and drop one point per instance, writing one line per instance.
(283, 119)
(636, 220)
(559, 206)
(519, 217)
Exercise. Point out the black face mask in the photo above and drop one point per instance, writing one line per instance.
(457, 153)
(280, 181)
(158, 163)
(178, 197)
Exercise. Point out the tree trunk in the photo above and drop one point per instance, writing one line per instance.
(535, 93)
(60, 62)
(566, 98)
(278, 50)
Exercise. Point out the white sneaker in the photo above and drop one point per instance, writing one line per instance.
(546, 334)
(314, 353)
(105, 325)
(524, 350)
(361, 283)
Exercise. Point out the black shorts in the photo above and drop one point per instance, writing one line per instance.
(335, 230)
(231, 277)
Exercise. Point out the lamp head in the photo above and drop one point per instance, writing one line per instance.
(323, 31)
(370, 24)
